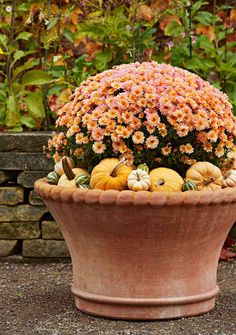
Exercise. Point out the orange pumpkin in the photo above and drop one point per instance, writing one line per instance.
(165, 180)
(110, 174)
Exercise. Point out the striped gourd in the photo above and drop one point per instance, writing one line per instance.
(143, 167)
(82, 181)
(189, 185)
(52, 178)
(84, 186)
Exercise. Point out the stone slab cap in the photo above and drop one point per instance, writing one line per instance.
(25, 142)
(25, 161)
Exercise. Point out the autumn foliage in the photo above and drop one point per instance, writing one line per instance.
(47, 48)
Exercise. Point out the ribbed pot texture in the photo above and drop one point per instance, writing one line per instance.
(144, 255)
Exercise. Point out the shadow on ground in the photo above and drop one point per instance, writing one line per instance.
(36, 300)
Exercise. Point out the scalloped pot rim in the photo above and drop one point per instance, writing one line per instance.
(128, 197)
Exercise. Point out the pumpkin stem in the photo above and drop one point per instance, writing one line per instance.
(67, 169)
(113, 172)
(160, 182)
(207, 181)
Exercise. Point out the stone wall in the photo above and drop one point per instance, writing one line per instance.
(26, 226)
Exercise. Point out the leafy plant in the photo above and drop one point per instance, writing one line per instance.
(47, 48)
(21, 103)
(122, 37)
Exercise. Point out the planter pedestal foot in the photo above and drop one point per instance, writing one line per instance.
(144, 309)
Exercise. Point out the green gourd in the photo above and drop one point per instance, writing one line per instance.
(189, 185)
(84, 186)
(143, 167)
(82, 181)
(52, 178)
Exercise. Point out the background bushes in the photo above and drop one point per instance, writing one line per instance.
(48, 47)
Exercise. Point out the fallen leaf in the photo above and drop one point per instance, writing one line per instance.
(159, 5)
(233, 15)
(92, 48)
(167, 19)
(206, 30)
(75, 16)
(226, 255)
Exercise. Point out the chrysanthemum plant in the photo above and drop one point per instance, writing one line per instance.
(153, 113)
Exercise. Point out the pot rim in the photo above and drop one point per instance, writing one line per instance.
(128, 197)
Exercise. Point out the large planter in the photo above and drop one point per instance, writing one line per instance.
(143, 255)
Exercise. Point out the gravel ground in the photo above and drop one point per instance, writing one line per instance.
(36, 299)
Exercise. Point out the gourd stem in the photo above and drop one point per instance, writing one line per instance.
(160, 182)
(67, 169)
(113, 172)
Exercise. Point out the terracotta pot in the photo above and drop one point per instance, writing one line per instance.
(144, 255)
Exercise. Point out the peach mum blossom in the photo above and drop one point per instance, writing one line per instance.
(219, 151)
(207, 147)
(152, 142)
(163, 132)
(79, 138)
(186, 148)
(98, 134)
(212, 136)
(138, 137)
(99, 147)
(166, 150)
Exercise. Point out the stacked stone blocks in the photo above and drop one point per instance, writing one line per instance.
(26, 227)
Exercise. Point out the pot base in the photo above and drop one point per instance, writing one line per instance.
(144, 309)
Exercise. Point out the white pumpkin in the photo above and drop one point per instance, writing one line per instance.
(139, 180)
(230, 179)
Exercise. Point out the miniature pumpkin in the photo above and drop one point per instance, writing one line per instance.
(58, 168)
(143, 167)
(189, 185)
(110, 174)
(139, 180)
(165, 180)
(205, 175)
(229, 164)
(52, 178)
(230, 179)
(68, 179)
